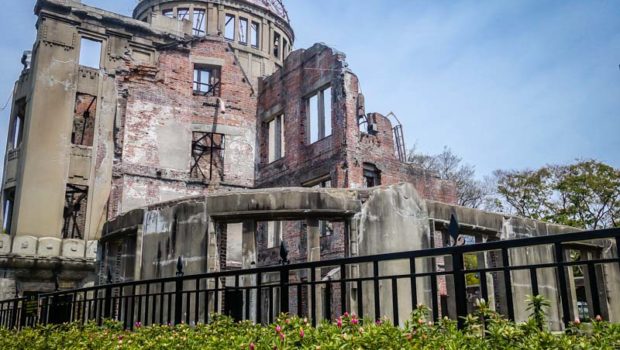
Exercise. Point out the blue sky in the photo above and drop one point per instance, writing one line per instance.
(505, 84)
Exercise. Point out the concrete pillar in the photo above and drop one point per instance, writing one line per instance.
(314, 254)
(248, 261)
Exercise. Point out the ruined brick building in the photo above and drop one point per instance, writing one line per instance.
(122, 128)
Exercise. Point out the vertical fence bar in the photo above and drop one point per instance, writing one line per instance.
(559, 258)
(375, 280)
(259, 318)
(284, 290)
(360, 304)
(484, 288)
(508, 284)
(459, 286)
(328, 299)
(395, 300)
(534, 281)
(596, 301)
(434, 301)
(414, 287)
(313, 296)
(216, 295)
(343, 289)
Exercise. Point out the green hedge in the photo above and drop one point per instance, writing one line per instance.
(347, 332)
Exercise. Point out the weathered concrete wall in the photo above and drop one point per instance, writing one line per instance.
(394, 219)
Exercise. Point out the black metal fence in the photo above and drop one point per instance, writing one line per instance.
(372, 286)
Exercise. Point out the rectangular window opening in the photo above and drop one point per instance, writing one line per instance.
(183, 14)
(319, 108)
(326, 228)
(200, 23)
(84, 120)
(74, 213)
(276, 44)
(284, 48)
(207, 80)
(243, 31)
(276, 139)
(90, 53)
(254, 34)
(9, 202)
(168, 13)
(229, 27)
(17, 129)
(372, 175)
(274, 234)
(207, 156)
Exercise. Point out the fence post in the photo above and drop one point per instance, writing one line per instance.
(459, 288)
(178, 296)
(107, 303)
(284, 290)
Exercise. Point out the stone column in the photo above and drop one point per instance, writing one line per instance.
(314, 254)
(248, 261)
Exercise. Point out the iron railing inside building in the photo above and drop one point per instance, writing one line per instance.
(374, 286)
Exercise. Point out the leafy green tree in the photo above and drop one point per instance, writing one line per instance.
(585, 194)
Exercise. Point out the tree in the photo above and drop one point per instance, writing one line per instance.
(585, 194)
(470, 192)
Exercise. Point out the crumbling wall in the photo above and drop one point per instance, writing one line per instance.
(160, 114)
(393, 219)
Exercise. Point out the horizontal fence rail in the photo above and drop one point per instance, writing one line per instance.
(444, 279)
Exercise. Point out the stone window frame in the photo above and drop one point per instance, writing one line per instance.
(187, 14)
(227, 18)
(244, 34)
(76, 196)
(94, 38)
(199, 29)
(371, 173)
(276, 45)
(215, 79)
(93, 103)
(255, 32)
(326, 228)
(16, 129)
(198, 151)
(278, 137)
(8, 208)
(323, 120)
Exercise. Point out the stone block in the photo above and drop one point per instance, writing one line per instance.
(73, 248)
(49, 246)
(5, 244)
(25, 245)
(91, 249)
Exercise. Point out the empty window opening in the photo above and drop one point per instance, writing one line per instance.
(326, 228)
(320, 115)
(9, 201)
(84, 120)
(207, 156)
(229, 28)
(243, 31)
(17, 129)
(254, 34)
(276, 139)
(200, 23)
(372, 175)
(274, 234)
(183, 14)
(74, 213)
(90, 53)
(207, 80)
(276, 44)
(284, 48)
(168, 13)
